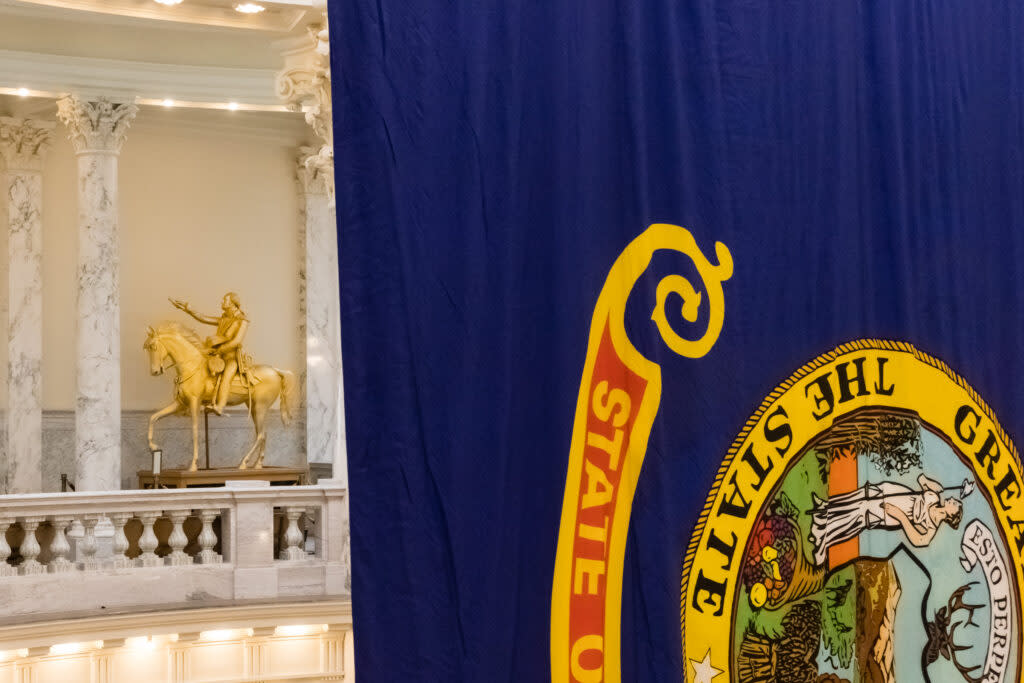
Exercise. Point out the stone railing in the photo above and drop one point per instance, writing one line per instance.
(123, 551)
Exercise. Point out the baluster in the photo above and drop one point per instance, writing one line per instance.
(60, 548)
(119, 519)
(312, 526)
(148, 541)
(292, 536)
(30, 546)
(5, 549)
(178, 540)
(87, 546)
(208, 539)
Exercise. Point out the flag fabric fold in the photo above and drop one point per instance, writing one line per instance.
(536, 204)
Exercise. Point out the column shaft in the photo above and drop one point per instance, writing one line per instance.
(325, 414)
(97, 130)
(23, 144)
(98, 406)
(25, 333)
(305, 83)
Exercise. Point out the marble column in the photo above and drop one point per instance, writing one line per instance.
(23, 145)
(305, 85)
(325, 414)
(97, 130)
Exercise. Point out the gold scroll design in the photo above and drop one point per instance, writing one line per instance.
(609, 318)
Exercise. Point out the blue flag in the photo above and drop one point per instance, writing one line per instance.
(682, 340)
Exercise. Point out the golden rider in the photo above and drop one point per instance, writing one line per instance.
(226, 344)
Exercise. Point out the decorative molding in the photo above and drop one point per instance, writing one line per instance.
(24, 143)
(311, 178)
(19, 634)
(305, 81)
(91, 77)
(305, 84)
(285, 129)
(96, 126)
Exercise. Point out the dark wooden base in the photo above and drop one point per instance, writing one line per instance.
(180, 479)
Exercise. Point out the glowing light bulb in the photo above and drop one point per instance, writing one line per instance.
(249, 8)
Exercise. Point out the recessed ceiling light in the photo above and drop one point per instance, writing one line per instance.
(23, 92)
(249, 8)
(169, 2)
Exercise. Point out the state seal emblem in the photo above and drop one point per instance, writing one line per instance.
(866, 525)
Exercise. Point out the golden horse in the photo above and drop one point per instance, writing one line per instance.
(194, 387)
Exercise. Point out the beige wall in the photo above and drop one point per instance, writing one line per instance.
(202, 211)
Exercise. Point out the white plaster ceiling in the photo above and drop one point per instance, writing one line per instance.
(276, 16)
(198, 54)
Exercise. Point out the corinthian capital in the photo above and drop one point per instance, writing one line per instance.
(308, 172)
(305, 82)
(315, 171)
(24, 142)
(96, 126)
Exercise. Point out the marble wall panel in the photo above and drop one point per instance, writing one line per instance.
(230, 437)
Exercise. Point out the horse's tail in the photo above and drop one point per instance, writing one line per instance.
(289, 395)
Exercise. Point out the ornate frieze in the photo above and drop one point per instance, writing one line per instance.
(96, 125)
(305, 83)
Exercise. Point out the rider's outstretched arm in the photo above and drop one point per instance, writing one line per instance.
(205, 319)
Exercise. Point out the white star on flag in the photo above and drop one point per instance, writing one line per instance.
(703, 672)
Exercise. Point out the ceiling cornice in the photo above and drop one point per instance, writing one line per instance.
(247, 126)
(52, 75)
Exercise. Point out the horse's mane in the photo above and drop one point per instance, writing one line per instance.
(184, 331)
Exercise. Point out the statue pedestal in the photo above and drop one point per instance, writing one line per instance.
(181, 479)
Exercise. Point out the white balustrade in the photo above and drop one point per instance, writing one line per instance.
(148, 541)
(30, 547)
(88, 546)
(5, 548)
(207, 538)
(312, 535)
(177, 540)
(292, 536)
(217, 542)
(120, 558)
(60, 547)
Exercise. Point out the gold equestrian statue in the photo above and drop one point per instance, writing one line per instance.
(217, 373)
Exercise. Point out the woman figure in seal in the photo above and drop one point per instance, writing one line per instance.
(886, 505)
